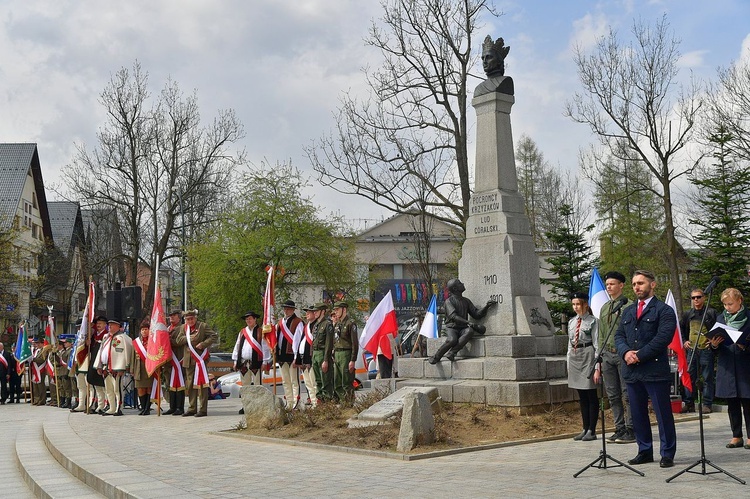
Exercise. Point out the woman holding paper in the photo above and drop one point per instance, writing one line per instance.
(733, 374)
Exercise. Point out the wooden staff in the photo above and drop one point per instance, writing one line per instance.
(158, 393)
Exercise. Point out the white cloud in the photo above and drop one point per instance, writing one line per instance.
(587, 30)
(692, 59)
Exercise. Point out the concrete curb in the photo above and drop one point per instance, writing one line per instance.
(100, 472)
(42, 473)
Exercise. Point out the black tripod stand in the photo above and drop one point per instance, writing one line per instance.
(703, 461)
(601, 461)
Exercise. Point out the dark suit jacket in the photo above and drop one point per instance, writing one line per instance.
(649, 336)
(11, 364)
(733, 372)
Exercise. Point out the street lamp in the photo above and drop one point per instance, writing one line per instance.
(184, 266)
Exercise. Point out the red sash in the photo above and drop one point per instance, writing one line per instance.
(200, 379)
(50, 367)
(176, 379)
(140, 349)
(308, 334)
(36, 372)
(3, 361)
(285, 331)
(253, 342)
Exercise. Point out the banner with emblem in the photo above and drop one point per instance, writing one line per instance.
(159, 350)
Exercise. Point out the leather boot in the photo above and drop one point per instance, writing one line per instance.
(65, 403)
(172, 403)
(146, 403)
(180, 402)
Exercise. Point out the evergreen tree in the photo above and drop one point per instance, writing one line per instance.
(722, 216)
(629, 212)
(571, 266)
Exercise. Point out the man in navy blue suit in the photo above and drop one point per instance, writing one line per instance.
(646, 329)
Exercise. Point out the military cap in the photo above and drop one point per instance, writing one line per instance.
(101, 318)
(289, 304)
(615, 275)
(340, 304)
(251, 314)
(580, 296)
(114, 321)
(175, 312)
(190, 313)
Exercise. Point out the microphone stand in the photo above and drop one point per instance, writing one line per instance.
(703, 461)
(601, 461)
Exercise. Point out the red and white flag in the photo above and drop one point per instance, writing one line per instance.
(676, 346)
(49, 331)
(269, 301)
(159, 349)
(381, 323)
(80, 349)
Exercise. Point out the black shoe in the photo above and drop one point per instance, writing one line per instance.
(432, 360)
(201, 415)
(617, 434)
(580, 435)
(118, 413)
(242, 411)
(589, 436)
(177, 412)
(666, 462)
(188, 414)
(167, 413)
(627, 437)
(642, 458)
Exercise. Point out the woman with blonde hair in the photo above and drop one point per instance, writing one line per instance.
(733, 373)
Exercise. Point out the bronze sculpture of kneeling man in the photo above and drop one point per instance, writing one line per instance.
(458, 328)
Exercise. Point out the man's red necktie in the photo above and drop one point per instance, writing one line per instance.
(641, 304)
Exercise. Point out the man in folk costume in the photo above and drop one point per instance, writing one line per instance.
(345, 348)
(38, 372)
(144, 383)
(290, 331)
(174, 371)
(196, 337)
(303, 356)
(251, 355)
(94, 378)
(322, 358)
(113, 361)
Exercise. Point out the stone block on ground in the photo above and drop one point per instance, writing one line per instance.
(470, 392)
(510, 346)
(518, 394)
(392, 405)
(262, 408)
(417, 422)
(515, 369)
(411, 367)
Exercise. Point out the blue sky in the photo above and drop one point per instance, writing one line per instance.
(282, 65)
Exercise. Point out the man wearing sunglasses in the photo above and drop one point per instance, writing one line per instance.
(703, 359)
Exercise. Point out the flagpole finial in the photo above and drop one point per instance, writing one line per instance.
(50, 307)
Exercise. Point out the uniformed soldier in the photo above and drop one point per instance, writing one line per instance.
(196, 337)
(53, 363)
(38, 371)
(175, 371)
(251, 355)
(143, 382)
(63, 355)
(290, 332)
(303, 356)
(345, 348)
(322, 358)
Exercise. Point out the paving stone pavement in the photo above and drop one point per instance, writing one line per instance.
(188, 454)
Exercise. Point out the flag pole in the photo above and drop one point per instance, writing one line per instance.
(158, 393)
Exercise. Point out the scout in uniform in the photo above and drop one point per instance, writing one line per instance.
(322, 358)
(175, 372)
(345, 348)
(143, 382)
(38, 372)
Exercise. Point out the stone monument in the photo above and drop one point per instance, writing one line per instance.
(519, 361)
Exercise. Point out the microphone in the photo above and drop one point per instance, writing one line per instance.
(618, 305)
(711, 285)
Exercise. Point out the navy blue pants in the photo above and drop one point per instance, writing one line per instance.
(639, 392)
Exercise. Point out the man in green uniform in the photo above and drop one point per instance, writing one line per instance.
(322, 358)
(345, 348)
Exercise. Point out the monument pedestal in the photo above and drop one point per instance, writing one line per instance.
(520, 361)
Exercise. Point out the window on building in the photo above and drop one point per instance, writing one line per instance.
(33, 200)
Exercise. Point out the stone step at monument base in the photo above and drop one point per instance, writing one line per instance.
(523, 397)
(507, 346)
(485, 368)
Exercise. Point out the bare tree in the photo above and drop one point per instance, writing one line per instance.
(729, 106)
(632, 98)
(411, 133)
(149, 159)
